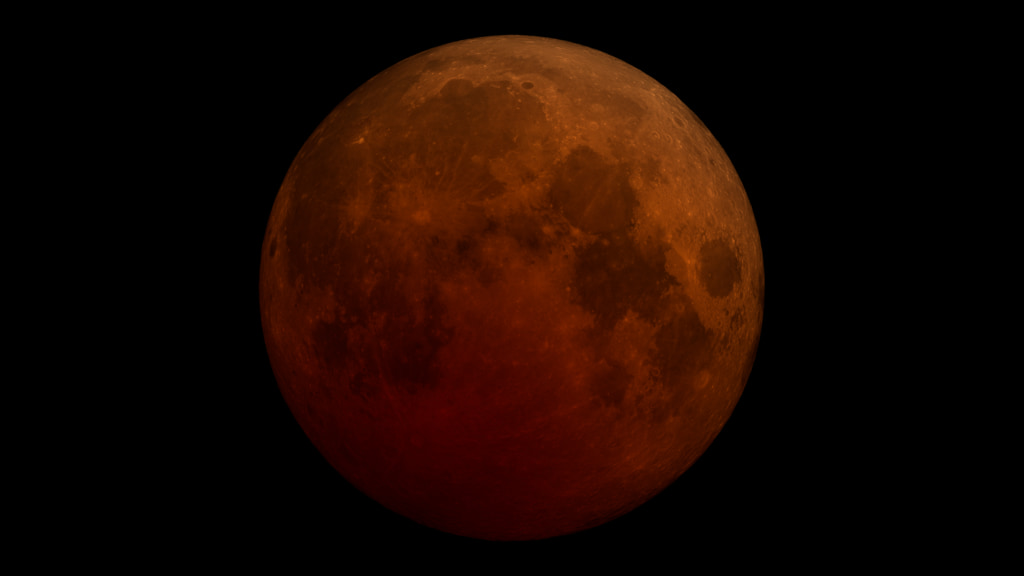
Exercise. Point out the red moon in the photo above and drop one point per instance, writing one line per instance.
(511, 288)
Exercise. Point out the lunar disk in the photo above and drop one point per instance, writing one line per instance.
(511, 288)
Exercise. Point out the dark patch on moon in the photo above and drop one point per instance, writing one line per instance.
(404, 348)
(719, 269)
(621, 106)
(413, 349)
(593, 194)
(456, 88)
(441, 148)
(330, 346)
(469, 256)
(685, 348)
(527, 85)
(610, 382)
(308, 232)
(526, 230)
(273, 246)
(463, 247)
(412, 333)
(613, 276)
(520, 65)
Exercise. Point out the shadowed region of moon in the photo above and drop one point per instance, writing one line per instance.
(511, 288)
(594, 195)
(719, 268)
(611, 277)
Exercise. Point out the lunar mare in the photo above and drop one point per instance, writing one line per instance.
(511, 288)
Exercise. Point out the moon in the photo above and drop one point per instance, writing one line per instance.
(511, 288)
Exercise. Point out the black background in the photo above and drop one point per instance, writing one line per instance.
(799, 465)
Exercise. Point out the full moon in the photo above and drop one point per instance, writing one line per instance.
(511, 288)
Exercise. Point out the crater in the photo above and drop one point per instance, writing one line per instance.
(719, 269)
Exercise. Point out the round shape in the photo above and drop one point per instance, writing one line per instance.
(511, 288)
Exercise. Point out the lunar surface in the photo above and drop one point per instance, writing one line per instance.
(511, 288)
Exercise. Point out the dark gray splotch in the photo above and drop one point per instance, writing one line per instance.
(403, 352)
(621, 106)
(612, 276)
(469, 257)
(330, 346)
(609, 383)
(527, 229)
(684, 348)
(719, 269)
(466, 250)
(594, 195)
(412, 333)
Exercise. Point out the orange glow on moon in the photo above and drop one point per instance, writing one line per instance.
(511, 288)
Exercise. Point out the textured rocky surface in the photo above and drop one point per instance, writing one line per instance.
(511, 287)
